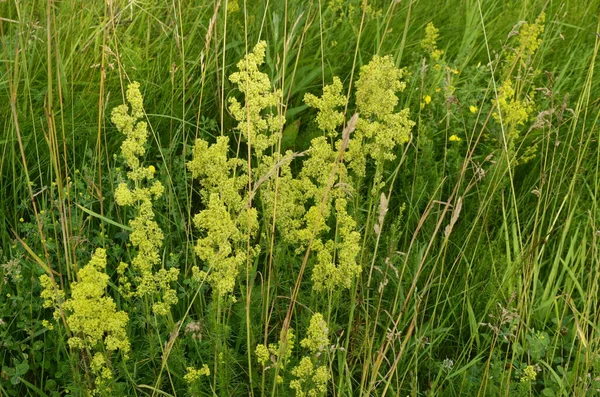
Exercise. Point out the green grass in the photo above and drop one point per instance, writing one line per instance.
(486, 262)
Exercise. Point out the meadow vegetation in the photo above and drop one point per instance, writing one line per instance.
(299, 198)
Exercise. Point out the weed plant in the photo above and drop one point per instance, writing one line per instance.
(286, 198)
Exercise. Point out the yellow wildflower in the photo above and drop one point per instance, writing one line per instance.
(262, 354)
(261, 131)
(473, 109)
(529, 374)
(454, 138)
(194, 374)
(311, 378)
(48, 325)
(317, 338)
(226, 221)
(429, 43)
(511, 111)
(529, 41)
(91, 315)
(146, 235)
(328, 274)
(427, 99)
(380, 128)
(232, 7)
(328, 118)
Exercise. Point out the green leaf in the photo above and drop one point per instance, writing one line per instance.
(103, 218)
(289, 135)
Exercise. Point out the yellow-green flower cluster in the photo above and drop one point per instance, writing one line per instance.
(214, 168)
(262, 354)
(380, 128)
(305, 204)
(193, 374)
(222, 245)
(322, 185)
(311, 378)
(51, 294)
(529, 374)
(376, 88)
(277, 350)
(146, 236)
(162, 280)
(528, 42)
(326, 275)
(314, 183)
(316, 186)
(135, 131)
(515, 107)
(99, 367)
(429, 43)
(512, 112)
(92, 317)
(328, 118)
(286, 198)
(277, 353)
(260, 132)
(317, 336)
(226, 222)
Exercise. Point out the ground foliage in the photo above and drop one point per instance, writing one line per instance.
(311, 198)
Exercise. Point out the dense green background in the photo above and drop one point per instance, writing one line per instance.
(514, 284)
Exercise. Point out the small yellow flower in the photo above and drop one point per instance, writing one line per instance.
(473, 109)
(438, 89)
(21, 220)
(233, 7)
(317, 336)
(529, 374)
(427, 99)
(47, 325)
(194, 374)
(429, 43)
(454, 138)
(151, 169)
(262, 354)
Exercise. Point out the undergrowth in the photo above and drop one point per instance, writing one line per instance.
(342, 198)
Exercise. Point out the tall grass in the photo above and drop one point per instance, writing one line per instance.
(479, 252)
